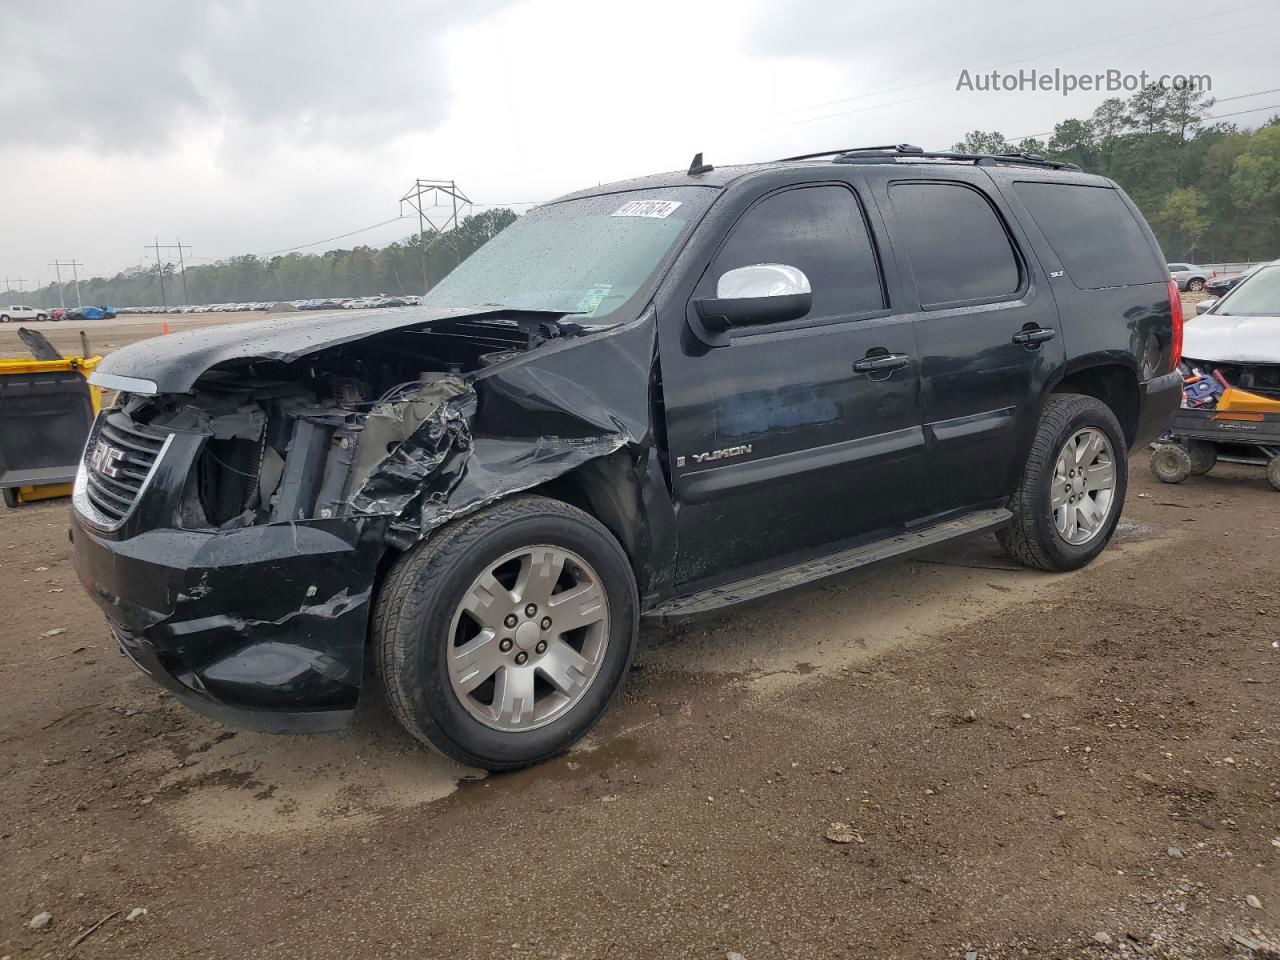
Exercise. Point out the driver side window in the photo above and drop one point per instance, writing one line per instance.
(822, 231)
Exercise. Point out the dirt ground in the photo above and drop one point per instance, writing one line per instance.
(941, 757)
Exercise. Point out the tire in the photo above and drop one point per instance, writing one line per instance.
(420, 625)
(1273, 472)
(42, 316)
(1195, 285)
(11, 497)
(4, 318)
(1170, 463)
(1069, 423)
(1204, 456)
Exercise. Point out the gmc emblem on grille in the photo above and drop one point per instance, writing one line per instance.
(105, 459)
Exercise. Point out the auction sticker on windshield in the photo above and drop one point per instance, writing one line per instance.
(659, 209)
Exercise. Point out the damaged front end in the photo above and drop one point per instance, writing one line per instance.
(233, 523)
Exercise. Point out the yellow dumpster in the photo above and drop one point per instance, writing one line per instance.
(47, 408)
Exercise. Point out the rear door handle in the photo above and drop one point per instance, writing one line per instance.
(1035, 335)
(881, 362)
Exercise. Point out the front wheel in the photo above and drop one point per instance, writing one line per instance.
(42, 316)
(502, 638)
(1196, 285)
(1072, 489)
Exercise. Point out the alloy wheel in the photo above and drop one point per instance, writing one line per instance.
(528, 638)
(1084, 486)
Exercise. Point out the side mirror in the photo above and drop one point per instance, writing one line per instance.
(760, 293)
(1204, 306)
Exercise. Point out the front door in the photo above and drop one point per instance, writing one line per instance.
(787, 440)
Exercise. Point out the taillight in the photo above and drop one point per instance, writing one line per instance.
(1175, 311)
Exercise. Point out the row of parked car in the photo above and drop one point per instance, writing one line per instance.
(22, 313)
(1190, 276)
(322, 303)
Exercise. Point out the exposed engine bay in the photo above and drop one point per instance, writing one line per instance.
(287, 441)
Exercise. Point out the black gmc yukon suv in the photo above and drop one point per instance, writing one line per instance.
(657, 397)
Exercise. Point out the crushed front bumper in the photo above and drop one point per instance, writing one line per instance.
(260, 627)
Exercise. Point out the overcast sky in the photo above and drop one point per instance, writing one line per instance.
(249, 127)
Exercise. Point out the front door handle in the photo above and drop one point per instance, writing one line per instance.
(881, 362)
(1034, 336)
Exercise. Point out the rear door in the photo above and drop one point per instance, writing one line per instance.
(778, 445)
(986, 325)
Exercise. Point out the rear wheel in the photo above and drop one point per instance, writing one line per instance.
(1204, 456)
(11, 497)
(4, 318)
(1072, 490)
(1273, 472)
(503, 637)
(1170, 463)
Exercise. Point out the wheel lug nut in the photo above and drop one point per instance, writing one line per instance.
(522, 658)
(511, 620)
(531, 610)
(504, 646)
(541, 647)
(546, 623)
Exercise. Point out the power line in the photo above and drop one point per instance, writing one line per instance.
(341, 236)
(1009, 63)
(1216, 116)
(930, 96)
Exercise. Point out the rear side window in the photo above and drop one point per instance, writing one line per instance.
(959, 249)
(1094, 234)
(820, 230)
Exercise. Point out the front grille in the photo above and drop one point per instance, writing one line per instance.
(135, 451)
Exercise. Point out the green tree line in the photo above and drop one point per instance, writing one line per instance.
(359, 272)
(1210, 191)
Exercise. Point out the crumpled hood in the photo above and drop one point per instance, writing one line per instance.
(1229, 339)
(173, 363)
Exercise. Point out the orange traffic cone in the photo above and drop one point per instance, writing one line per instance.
(165, 328)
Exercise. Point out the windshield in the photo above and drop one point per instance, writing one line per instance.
(1257, 295)
(585, 257)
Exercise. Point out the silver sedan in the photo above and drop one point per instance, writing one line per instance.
(1189, 276)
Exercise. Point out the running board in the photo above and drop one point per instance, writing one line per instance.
(811, 570)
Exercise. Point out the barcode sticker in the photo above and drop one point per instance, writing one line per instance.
(659, 209)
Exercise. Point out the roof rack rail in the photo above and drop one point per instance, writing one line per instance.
(892, 153)
(903, 147)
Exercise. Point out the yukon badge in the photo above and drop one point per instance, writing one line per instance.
(710, 455)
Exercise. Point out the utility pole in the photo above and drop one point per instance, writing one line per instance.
(182, 266)
(159, 271)
(73, 264)
(8, 289)
(62, 300)
(432, 190)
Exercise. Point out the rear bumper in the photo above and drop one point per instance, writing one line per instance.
(262, 627)
(1159, 399)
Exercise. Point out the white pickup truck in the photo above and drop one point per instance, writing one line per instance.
(22, 313)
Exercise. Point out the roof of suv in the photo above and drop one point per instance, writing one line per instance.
(720, 177)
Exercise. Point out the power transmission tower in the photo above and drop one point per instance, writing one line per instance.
(73, 265)
(432, 189)
(182, 263)
(159, 270)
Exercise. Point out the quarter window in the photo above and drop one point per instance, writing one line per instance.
(822, 231)
(1093, 232)
(959, 249)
